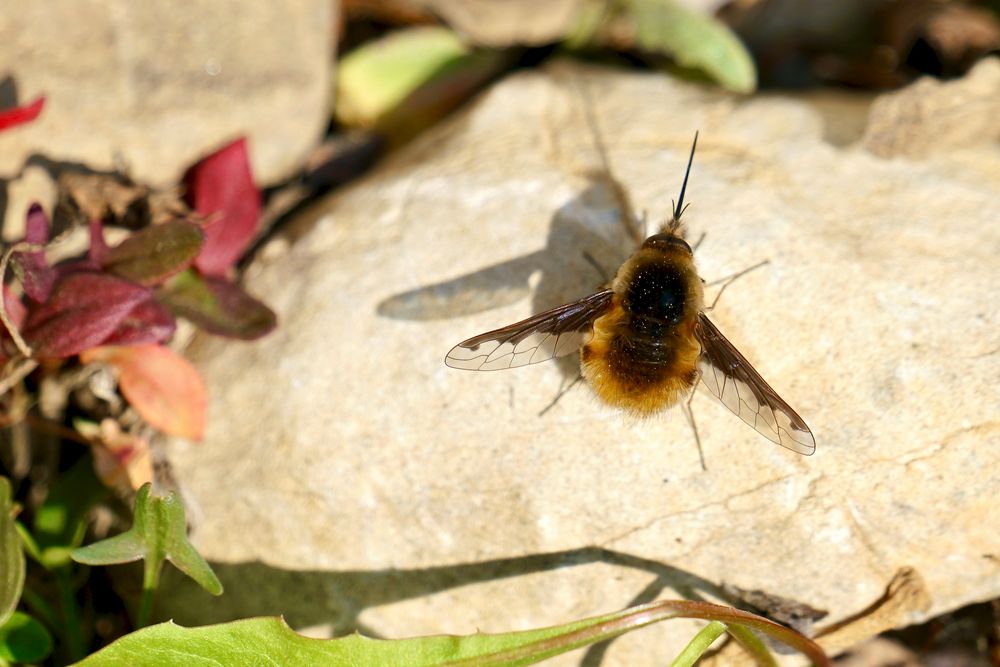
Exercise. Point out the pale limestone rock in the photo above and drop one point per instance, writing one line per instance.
(933, 116)
(382, 490)
(156, 86)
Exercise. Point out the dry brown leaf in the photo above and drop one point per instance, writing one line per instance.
(113, 199)
(905, 594)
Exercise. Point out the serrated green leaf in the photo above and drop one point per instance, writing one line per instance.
(24, 640)
(694, 40)
(11, 555)
(217, 306)
(271, 641)
(158, 532)
(155, 253)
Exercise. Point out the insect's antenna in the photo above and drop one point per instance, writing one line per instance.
(679, 208)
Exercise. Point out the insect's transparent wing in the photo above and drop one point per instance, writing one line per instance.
(554, 333)
(727, 375)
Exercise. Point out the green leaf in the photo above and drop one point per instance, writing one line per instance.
(156, 252)
(11, 555)
(61, 521)
(402, 83)
(694, 40)
(699, 644)
(590, 16)
(271, 641)
(217, 306)
(158, 532)
(24, 640)
(375, 78)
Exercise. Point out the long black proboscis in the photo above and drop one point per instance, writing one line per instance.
(680, 200)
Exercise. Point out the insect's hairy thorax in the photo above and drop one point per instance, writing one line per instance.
(660, 291)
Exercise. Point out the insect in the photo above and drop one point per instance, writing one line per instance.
(645, 342)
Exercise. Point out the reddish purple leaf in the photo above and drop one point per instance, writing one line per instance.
(221, 189)
(218, 306)
(36, 228)
(15, 312)
(38, 276)
(82, 311)
(15, 309)
(98, 250)
(155, 253)
(149, 322)
(22, 114)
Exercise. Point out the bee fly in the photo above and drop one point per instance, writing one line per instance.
(645, 342)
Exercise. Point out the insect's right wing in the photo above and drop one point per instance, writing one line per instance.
(727, 375)
(554, 333)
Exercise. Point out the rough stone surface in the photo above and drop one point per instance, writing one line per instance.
(933, 116)
(349, 479)
(155, 86)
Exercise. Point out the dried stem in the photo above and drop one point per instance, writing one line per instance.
(20, 371)
(11, 329)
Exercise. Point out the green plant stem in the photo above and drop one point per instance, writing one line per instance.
(753, 644)
(699, 644)
(70, 614)
(41, 609)
(150, 580)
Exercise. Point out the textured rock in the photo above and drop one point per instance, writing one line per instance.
(932, 116)
(155, 86)
(350, 479)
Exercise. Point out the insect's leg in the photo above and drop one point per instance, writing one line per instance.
(597, 267)
(689, 413)
(562, 391)
(728, 280)
(697, 243)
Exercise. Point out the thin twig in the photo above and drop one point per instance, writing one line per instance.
(17, 374)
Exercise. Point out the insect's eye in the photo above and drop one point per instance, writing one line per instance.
(665, 241)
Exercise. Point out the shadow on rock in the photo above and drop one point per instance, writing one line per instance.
(598, 222)
(337, 598)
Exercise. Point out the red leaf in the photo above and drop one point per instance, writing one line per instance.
(82, 311)
(160, 384)
(149, 322)
(221, 188)
(22, 114)
(36, 228)
(38, 276)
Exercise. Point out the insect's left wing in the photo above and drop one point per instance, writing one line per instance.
(554, 333)
(727, 375)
